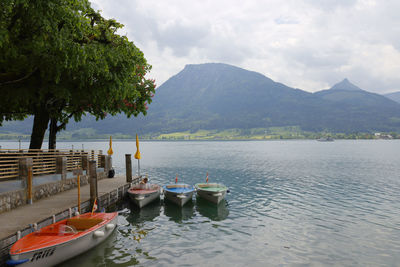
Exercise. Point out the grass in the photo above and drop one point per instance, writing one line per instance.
(272, 133)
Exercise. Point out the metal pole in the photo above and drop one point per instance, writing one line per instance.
(138, 166)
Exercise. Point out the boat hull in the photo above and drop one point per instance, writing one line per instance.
(178, 194)
(214, 193)
(54, 254)
(143, 197)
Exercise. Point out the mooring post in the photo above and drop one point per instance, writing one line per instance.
(107, 163)
(128, 163)
(93, 182)
(30, 186)
(79, 193)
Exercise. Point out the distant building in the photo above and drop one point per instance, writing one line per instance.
(383, 136)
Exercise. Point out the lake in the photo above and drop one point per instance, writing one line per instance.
(295, 203)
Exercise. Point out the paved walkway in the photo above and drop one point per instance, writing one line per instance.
(20, 218)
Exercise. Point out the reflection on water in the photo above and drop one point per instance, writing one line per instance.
(210, 210)
(98, 256)
(134, 228)
(178, 214)
(147, 213)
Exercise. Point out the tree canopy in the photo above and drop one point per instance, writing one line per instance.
(60, 59)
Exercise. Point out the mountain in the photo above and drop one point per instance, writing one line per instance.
(216, 96)
(364, 110)
(220, 96)
(345, 85)
(350, 95)
(394, 96)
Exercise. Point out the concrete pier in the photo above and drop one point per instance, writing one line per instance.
(22, 220)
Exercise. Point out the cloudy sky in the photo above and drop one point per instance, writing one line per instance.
(306, 44)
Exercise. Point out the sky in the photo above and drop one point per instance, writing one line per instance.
(305, 44)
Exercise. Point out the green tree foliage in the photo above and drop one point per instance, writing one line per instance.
(60, 59)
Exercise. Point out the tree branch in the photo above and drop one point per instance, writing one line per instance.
(62, 125)
(20, 79)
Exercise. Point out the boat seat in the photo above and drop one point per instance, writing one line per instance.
(177, 186)
(207, 186)
(82, 224)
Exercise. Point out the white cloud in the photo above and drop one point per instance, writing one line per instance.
(308, 44)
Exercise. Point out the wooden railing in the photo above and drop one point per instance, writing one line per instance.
(44, 160)
(9, 167)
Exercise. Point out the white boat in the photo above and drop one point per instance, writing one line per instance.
(326, 139)
(143, 194)
(63, 240)
(179, 194)
(211, 191)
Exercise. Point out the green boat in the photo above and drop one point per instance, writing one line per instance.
(212, 192)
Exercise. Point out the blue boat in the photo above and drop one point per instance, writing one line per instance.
(179, 194)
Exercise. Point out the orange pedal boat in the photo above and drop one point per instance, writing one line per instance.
(62, 240)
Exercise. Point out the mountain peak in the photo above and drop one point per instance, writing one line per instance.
(345, 85)
(213, 72)
(212, 67)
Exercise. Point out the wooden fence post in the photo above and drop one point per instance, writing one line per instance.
(61, 166)
(24, 165)
(128, 163)
(103, 161)
(85, 163)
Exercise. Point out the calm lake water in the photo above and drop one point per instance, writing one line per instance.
(295, 203)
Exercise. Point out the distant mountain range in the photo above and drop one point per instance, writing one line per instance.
(221, 96)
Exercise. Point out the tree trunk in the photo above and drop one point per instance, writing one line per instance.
(53, 134)
(40, 122)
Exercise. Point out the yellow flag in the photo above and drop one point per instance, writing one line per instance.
(110, 151)
(137, 154)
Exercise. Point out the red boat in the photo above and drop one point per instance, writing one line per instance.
(63, 240)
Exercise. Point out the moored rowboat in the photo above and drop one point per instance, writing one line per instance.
(143, 194)
(179, 194)
(62, 240)
(211, 191)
